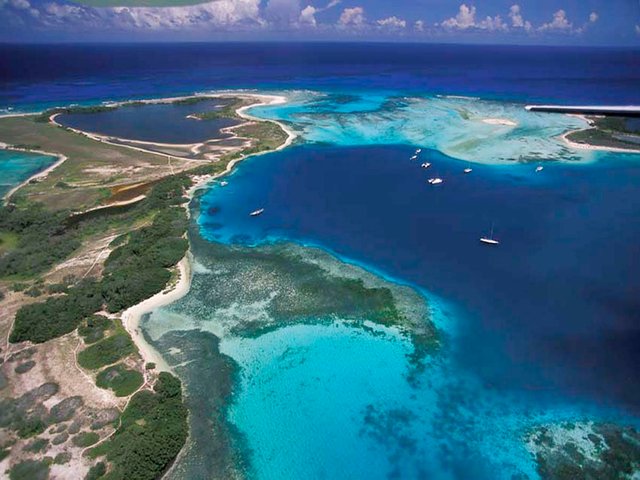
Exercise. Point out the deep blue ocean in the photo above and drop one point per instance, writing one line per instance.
(544, 328)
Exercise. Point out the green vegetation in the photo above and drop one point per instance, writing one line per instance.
(138, 269)
(93, 328)
(8, 241)
(119, 379)
(38, 445)
(85, 439)
(39, 322)
(107, 351)
(44, 116)
(4, 453)
(267, 135)
(30, 426)
(228, 110)
(612, 132)
(39, 240)
(135, 270)
(152, 431)
(96, 472)
(30, 470)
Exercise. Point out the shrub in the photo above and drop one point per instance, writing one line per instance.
(106, 351)
(39, 322)
(151, 434)
(119, 379)
(85, 439)
(30, 470)
(93, 328)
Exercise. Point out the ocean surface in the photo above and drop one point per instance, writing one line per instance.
(542, 329)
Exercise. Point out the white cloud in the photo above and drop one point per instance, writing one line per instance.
(219, 13)
(392, 22)
(307, 16)
(308, 13)
(517, 20)
(419, 26)
(560, 23)
(593, 17)
(637, 29)
(352, 17)
(466, 19)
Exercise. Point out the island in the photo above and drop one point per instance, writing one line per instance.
(83, 243)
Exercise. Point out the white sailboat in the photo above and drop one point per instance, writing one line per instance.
(435, 181)
(425, 165)
(255, 213)
(418, 150)
(539, 168)
(490, 240)
(224, 183)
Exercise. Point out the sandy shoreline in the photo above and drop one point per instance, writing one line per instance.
(132, 316)
(595, 148)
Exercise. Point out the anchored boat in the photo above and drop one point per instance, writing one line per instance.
(490, 240)
(255, 213)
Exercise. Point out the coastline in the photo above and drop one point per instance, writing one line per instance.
(41, 174)
(132, 316)
(594, 148)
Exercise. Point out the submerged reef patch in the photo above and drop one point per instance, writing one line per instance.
(586, 450)
(469, 129)
(245, 291)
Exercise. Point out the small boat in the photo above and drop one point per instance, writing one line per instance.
(257, 212)
(418, 150)
(414, 157)
(468, 170)
(223, 183)
(539, 168)
(435, 181)
(489, 240)
(425, 165)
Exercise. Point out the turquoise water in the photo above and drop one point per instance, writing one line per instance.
(529, 327)
(16, 167)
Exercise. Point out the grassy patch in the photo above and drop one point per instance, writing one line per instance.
(8, 241)
(93, 328)
(119, 379)
(266, 136)
(107, 351)
(85, 439)
(152, 432)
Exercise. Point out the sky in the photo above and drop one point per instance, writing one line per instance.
(556, 22)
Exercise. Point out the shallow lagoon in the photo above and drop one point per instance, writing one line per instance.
(158, 122)
(16, 167)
